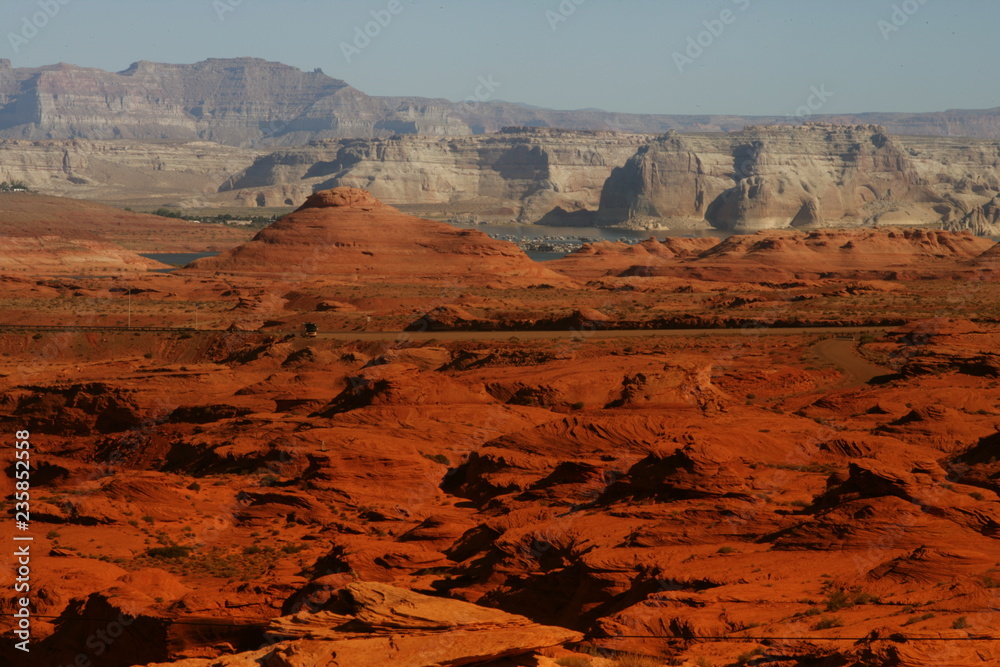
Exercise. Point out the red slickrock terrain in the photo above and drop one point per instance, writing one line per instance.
(651, 499)
(380, 624)
(563, 493)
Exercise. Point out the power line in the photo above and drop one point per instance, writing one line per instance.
(898, 638)
(893, 638)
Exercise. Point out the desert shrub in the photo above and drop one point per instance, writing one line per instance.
(573, 661)
(976, 495)
(917, 619)
(838, 599)
(167, 213)
(828, 622)
(213, 562)
(865, 598)
(437, 458)
(842, 599)
(960, 623)
(635, 660)
(727, 550)
(171, 552)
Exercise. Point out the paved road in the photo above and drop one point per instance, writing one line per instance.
(533, 334)
(596, 334)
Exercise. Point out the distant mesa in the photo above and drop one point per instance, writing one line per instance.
(193, 136)
(250, 101)
(817, 175)
(770, 177)
(347, 233)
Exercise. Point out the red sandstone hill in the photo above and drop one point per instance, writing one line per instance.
(54, 255)
(346, 232)
(41, 235)
(990, 258)
(611, 257)
(852, 247)
(856, 254)
(25, 214)
(52, 235)
(28, 215)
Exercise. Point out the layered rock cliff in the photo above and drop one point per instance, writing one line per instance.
(814, 175)
(124, 171)
(982, 221)
(249, 102)
(239, 101)
(520, 173)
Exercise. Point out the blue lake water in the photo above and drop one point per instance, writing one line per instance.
(579, 235)
(555, 235)
(176, 259)
(527, 232)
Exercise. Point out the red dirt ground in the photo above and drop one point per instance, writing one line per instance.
(700, 499)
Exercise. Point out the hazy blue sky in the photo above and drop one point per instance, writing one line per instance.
(611, 54)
